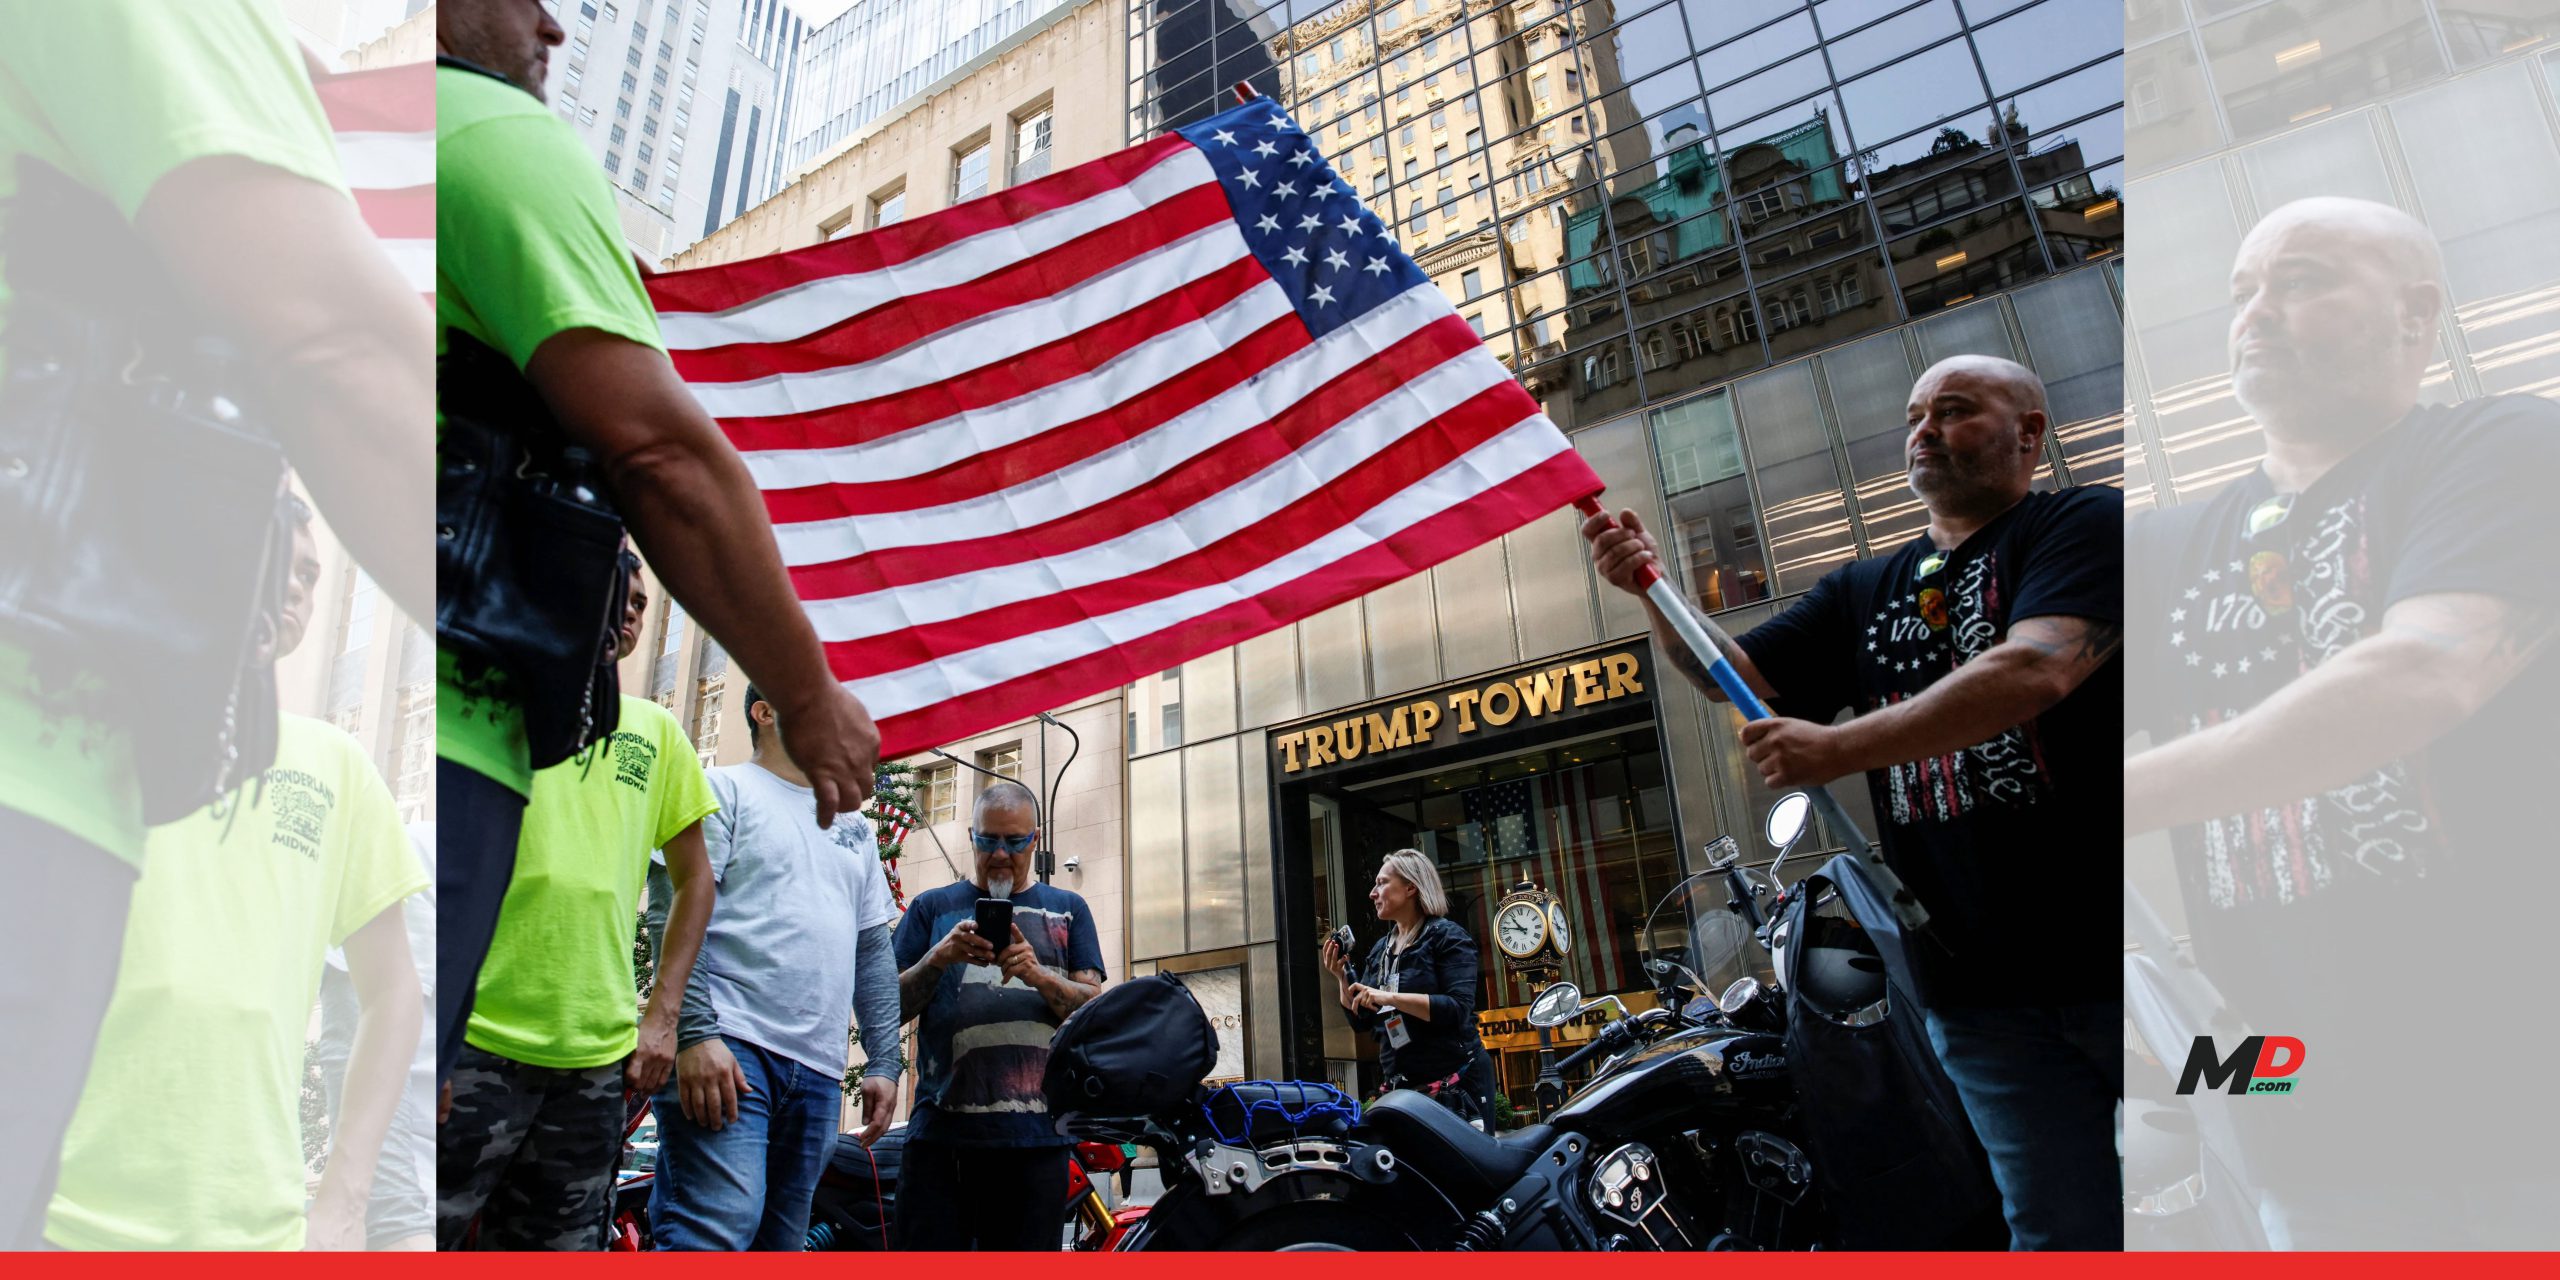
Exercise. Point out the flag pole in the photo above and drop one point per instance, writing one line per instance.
(1706, 640)
(1245, 92)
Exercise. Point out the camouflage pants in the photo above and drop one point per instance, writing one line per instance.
(530, 1152)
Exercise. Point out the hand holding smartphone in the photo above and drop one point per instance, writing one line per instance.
(995, 922)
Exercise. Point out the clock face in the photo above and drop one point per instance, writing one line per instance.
(1520, 929)
(1555, 922)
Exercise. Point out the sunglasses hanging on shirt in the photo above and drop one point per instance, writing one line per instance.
(2269, 515)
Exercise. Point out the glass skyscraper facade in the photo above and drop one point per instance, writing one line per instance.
(2446, 110)
(1717, 239)
(2449, 111)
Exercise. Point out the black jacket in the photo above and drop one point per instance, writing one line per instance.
(1442, 963)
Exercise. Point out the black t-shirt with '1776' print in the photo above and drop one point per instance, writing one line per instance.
(2419, 891)
(2010, 843)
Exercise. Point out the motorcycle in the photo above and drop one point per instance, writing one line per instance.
(850, 1210)
(2185, 1166)
(1689, 1134)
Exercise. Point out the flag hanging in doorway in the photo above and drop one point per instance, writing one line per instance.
(1042, 443)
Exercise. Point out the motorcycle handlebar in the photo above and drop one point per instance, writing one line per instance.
(1605, 1041)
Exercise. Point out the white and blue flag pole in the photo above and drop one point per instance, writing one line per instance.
(1703, 637)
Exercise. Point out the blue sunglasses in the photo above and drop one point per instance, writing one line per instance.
(985, 843)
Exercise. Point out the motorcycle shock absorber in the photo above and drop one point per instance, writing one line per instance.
(1483, 1233)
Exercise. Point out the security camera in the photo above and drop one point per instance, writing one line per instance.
(1074, 863)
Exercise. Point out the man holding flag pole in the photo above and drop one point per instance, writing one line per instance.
(1981, 661)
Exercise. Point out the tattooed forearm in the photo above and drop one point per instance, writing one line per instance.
(2078, 641)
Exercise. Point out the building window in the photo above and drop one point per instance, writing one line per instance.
(1476, 323)
(641, 156)
(1448, 196)
(940, 789)
(886, 209)
(1440, 118)
(613, 162)
(969, 172)
(1004, 761)
(1741, 326)
(1390, 18)
(1440, 156)
(615, 135)
(1031, 145)
(1472, 281)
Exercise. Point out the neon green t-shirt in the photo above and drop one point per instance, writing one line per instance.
(557, 989)
(189, 1132)
(528, 246)
(117, 94)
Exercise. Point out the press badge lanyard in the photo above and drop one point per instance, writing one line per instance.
(1398, 1035)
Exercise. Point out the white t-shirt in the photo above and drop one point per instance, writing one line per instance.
(778, 958)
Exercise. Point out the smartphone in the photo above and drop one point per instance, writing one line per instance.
(995, 921)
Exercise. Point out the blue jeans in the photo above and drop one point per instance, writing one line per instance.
(2041, 1087)
(746, 1186)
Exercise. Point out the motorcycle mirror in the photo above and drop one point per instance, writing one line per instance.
(1787, 820)
(1556, 1005)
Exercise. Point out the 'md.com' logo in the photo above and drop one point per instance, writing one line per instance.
(2255, 1067)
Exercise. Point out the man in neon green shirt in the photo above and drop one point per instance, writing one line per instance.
(530, 261)
(189, 1134)
(198, 124)
(531, 1145)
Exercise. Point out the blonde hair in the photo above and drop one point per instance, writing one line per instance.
(1414, 869)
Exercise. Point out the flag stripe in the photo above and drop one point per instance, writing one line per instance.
(416, 262)
(986, 341)
(1506, 506)
(1530, 442)
(975, 475)
(791, 295)
(1211, 496)
(383, 123)
(928, 314)
(387, 160)
(399, 213)
(1266, 534)
(1122, 355)
(1146, 436)
(395, 99)
(1063, 514)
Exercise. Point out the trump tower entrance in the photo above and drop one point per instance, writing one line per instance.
(1550, 773)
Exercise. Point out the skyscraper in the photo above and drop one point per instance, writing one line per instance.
(682, 101)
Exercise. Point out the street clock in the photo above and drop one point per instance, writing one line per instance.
(1529, 928)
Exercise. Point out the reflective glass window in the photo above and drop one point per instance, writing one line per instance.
(1714, 537)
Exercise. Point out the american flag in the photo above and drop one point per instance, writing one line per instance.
(1576, 818)
(385, 122)
(1037, 445)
